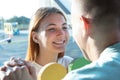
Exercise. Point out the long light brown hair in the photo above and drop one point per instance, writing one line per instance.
(41, 13)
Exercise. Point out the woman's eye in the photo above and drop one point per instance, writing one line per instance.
(51, 29)
(65, 28)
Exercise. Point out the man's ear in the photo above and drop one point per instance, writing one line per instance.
(85, 24)
(35, 37)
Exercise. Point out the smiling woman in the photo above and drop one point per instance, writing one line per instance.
(48, 37)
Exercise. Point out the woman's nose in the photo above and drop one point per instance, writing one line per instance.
(60, 32)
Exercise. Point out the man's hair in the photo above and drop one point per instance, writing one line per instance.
(102, 12)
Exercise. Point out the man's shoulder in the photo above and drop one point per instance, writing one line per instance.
(94, 71)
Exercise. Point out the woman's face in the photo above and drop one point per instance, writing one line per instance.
(53, 33)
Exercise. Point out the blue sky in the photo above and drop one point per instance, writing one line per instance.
(10, 8)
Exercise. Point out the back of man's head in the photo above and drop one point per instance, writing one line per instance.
(102, 12)
(96, 25)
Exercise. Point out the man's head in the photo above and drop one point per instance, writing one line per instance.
(94, 22)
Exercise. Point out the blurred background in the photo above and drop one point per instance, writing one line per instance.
(14, 23)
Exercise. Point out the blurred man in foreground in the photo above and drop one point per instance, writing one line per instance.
(96, 29)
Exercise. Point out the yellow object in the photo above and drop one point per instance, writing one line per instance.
(8, 28)
(52, 71)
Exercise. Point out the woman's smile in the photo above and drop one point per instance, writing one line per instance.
(59, 43)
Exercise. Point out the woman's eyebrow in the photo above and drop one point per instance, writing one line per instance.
(52, 24)
(64, 23)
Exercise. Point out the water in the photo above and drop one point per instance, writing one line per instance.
(18, 48)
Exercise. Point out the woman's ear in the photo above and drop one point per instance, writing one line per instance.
(85, 24)
(35, 37)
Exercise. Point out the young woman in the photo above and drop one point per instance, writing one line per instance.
(48, 37)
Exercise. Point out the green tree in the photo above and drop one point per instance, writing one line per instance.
(20, 20)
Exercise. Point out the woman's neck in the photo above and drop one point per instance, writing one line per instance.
(45, 58)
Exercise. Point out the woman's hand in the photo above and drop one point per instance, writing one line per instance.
(17, 69)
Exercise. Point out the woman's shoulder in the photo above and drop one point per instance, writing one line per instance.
(65, 60)
(36, 66)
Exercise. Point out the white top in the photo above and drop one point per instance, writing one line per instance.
(65, 61)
